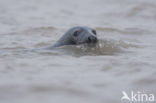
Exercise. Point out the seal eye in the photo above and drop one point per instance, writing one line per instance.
(76, 33)
(94, 32)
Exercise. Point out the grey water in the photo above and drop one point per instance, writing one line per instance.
(122, 60)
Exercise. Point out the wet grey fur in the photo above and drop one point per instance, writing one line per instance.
(77, 35)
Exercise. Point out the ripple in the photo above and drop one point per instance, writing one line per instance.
(103, 47)
(137, 31)
(141, 11)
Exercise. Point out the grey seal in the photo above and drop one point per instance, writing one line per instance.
(77, 35)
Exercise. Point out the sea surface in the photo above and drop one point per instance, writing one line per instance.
(124, 59)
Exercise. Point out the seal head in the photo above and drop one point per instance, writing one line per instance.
(77, 35)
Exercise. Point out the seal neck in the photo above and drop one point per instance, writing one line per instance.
(65, 40)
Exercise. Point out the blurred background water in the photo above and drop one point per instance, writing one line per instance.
(124, 59)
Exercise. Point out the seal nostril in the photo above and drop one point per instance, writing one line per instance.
(92, 39)
(89, 40)
(95, 40)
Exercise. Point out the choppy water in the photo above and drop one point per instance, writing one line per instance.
(123, 60)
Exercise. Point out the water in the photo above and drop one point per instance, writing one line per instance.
(123, 60)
